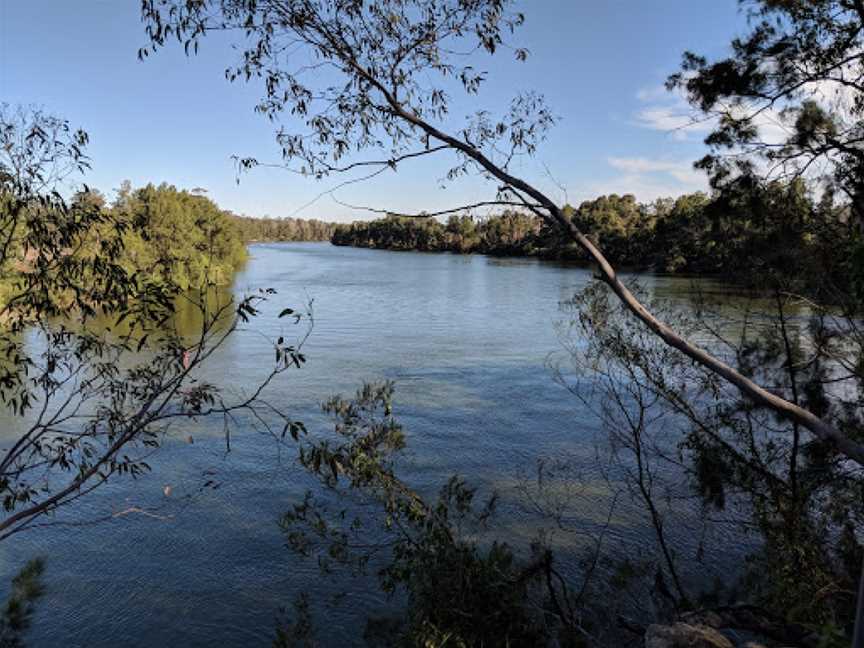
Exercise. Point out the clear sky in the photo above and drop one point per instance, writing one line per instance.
(600, 64)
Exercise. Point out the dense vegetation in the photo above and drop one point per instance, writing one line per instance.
(181, 237)
(178, 237)
(509, 233)
(778, 227)
(86, 407)
(153, 234)
(282, 229)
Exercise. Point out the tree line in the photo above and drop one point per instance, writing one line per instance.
(175, 236)
(781, 226)
(254, 230)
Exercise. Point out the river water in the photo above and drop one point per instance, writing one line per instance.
(468, 341)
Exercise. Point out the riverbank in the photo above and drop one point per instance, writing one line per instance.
(753, 240)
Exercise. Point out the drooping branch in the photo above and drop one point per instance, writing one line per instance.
(391, 162)
(557, 218)
(136, 405)
(442, 212)
(381, 50)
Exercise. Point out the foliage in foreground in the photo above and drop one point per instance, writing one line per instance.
(753, 474)
(464, 587)
(26, 590)
(90, 401)
(460, 592)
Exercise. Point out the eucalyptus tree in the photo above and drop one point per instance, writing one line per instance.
(371, 85)
(84, 404)
(676, 432)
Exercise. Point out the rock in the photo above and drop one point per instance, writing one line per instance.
(751, 627)
(685, 635)
(710, 618)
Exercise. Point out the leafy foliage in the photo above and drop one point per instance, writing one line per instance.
(26, 590)
(801, 65)
(178, 237)
(803, 500)
(94, 401)
(364, 43)
(460, 592)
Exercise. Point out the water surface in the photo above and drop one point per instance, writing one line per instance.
(467, 339)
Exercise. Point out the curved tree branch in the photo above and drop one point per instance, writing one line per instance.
(556, 217)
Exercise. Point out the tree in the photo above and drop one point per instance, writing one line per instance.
(800, 67)
(93, 403)
(369, 99)
(180, 237)
(26, 590)
(669, 419)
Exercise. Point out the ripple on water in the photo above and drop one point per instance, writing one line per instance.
(466, 340)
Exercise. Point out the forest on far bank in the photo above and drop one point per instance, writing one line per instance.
(269, 229)
(779, 225)
(153, 235)
(162, 234)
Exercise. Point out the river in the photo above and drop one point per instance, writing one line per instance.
(468, 341)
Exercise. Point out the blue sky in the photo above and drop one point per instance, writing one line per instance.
(601, 66)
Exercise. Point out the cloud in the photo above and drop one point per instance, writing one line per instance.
(645, 188)
(647, 179)
(643, 165)
(669, 112)
(673, 177)
(665, 119)
(671, 120)
(653, 93)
